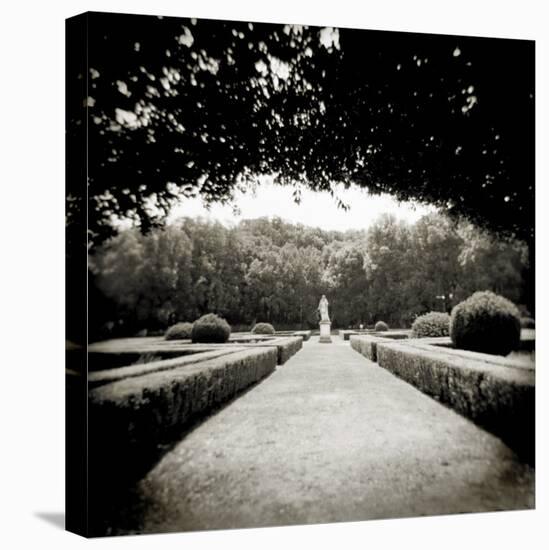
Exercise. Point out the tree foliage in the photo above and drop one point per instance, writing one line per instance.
(180, 107)
(273, 271)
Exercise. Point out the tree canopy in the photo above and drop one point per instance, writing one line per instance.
(181, 107)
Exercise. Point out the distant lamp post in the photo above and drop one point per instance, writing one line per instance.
(444, 297)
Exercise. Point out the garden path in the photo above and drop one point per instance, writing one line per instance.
(330, 436)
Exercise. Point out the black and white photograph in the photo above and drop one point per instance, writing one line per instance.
(310, 274)
(297, 277)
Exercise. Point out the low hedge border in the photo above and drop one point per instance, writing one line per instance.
(131, 420)
(306, 334)
(497, 396)
(346, 334)
(393, 334)
(286, 346)
(107, 376)
(367, 344)
(528, 339)
(444, 344)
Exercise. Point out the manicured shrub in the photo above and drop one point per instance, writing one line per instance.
(487, 323)
(381, 326)
(527, 322)
(432, 324)
(210, 329)
(179, 331)
(263, 328)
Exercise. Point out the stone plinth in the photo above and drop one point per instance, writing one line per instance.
(325, 327)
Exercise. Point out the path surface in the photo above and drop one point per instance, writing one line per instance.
(330, 436)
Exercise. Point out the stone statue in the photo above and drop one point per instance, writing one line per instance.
(323, 308)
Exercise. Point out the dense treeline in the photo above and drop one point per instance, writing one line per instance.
(274, 271)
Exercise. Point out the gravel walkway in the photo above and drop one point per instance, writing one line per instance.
(328, 437)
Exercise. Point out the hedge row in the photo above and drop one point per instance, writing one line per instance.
(306, 334)
(112, 375)
(367, 344)
(286, 347)
(499, 398)
(395, 335)
(346, 334)
(132, 420)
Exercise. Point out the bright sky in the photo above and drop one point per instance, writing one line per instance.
(316, 209)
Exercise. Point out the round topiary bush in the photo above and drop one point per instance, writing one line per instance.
(263, 328)
(210, 329)
(179, 331)
(381, 326)
(527, 322)
(487, 323)
(432, 324)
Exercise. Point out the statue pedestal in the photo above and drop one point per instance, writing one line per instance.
(325, 332)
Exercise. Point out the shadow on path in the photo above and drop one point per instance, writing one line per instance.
(121, 505)
(329, 437)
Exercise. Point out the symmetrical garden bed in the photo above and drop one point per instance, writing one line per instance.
(305, 334)
(134, 416)
(136, 410)
(394, 334)
(498, 393)
(286, 346)
(367, 344)
(130, 370)
(346, 334)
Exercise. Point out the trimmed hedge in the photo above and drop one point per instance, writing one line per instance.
(131, 421)
(179, 331)
(367, 345)
(210, 329)
(286, 347)
(402, 335)
(432, 324)
(345, 334)
(305, 334)
(499, 398)
(381, 326)
(527, 322)
(487, 323)
(108, 376)
(263, 328)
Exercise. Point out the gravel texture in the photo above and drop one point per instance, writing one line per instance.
(329, 437)
(494, 392)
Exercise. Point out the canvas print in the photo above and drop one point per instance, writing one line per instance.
(300, 274)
